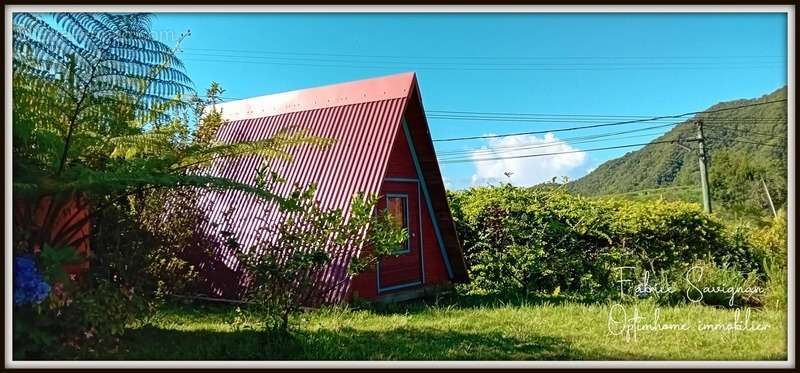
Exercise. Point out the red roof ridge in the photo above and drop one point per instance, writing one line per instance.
(339, 94)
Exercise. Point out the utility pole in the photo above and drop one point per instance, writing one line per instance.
(769, 198)
(703, 167)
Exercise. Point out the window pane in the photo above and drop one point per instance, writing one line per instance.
(398, 207)
(397, 210)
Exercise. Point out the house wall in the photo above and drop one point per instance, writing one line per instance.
(401, 166)
(65, 222)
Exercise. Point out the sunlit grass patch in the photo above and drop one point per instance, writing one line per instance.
(508, 330)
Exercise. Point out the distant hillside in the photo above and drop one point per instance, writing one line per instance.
(736, 165)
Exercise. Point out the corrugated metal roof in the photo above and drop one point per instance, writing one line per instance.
(363, 117)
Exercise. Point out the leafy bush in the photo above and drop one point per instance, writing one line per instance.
(666, 235)
(54, 312)
(771, 242)
(544, 239)
(285, 266)
(88, 313)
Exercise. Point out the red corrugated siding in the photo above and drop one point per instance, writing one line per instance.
(65, 222)
(363, 131)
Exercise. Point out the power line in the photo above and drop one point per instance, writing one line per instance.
(494, 57)
(564, 120)
(520, 119)
(494, 151)
(556, 153)
(463, 160)
(744, 131)
(538, 132)
(571, 140)
(460, 67)
(518, 115)
(747, 142)
(534, 114)
(606, 124)
(582, 62)
(556, 117)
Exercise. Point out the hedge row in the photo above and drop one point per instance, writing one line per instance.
(546, 240)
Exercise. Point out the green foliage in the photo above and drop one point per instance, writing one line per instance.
(102, 113)
(52, 261)
(665, 234)
(72, 70)
(79, 319)
(736, 183)
(711, 276)
(736, 168)
(771, 242)
(286, 265)
(547, 240)
(777, 293)
(210, 120)
(535, 239)
(101, 107)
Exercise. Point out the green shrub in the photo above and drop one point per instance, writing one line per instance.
(285, 266)
(771, 242)
(543, 239)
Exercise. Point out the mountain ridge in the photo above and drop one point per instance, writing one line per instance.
(751, 134)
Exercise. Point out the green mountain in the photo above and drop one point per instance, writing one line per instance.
(745, 145)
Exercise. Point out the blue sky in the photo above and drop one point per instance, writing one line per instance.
(592, 64)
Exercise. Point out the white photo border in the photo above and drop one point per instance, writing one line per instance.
(790, 77)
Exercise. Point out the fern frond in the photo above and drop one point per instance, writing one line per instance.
(85, 29)
(141, 144)
(122, 183)
(53, 41)
(274, 147)
(109, 52)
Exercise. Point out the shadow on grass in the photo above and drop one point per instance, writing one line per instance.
(342, 344)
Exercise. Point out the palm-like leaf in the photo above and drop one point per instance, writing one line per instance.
(107, 50)
(99, 106)
(273, 147)
(96, 62)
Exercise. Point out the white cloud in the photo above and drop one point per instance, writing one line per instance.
(527, 170)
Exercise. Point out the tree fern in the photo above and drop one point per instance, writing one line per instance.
(91, 58)
(100, 106)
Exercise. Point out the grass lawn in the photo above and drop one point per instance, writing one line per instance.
(496, 330)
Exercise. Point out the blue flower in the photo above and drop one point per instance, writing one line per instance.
(29, 285)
